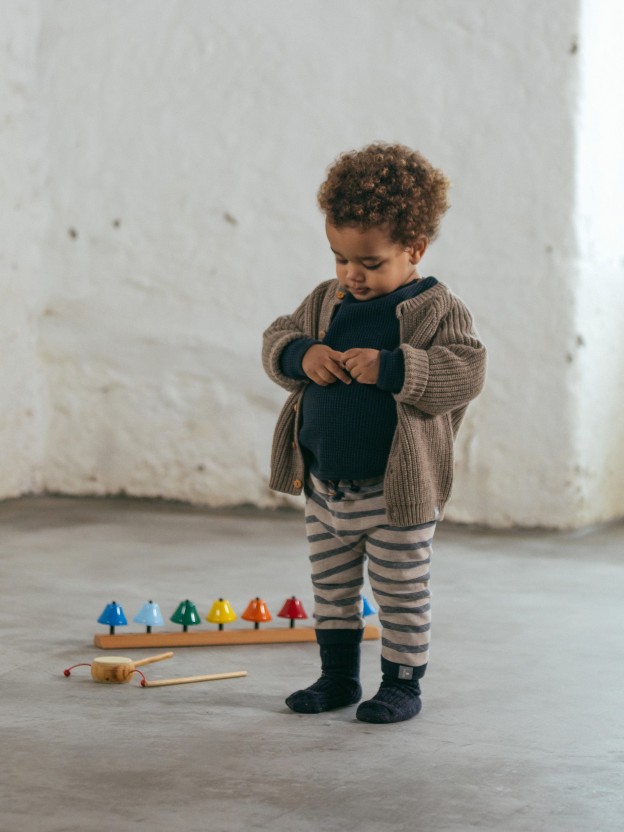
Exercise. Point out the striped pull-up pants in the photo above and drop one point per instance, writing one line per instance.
(347, 522)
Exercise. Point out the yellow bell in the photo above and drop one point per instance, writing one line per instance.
(221, 613)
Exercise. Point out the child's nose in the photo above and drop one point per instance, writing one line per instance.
(354, 271)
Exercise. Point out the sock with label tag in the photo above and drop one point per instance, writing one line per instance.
(339, 683)
(398, 697)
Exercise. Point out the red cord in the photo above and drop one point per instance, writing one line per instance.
(141, 675)
(68, 671)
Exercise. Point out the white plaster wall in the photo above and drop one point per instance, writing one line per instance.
(23, 217)
(599, 349)
(185, 143)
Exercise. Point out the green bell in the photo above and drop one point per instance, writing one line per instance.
(186, 615)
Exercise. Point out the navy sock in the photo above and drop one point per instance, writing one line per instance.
(339, 683)
(398, 697)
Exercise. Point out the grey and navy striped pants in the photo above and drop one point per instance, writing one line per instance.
(346, 523)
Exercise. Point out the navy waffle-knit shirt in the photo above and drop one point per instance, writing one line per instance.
(346, 430)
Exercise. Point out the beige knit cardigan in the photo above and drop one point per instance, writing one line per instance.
(444, 370)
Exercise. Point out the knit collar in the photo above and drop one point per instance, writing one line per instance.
(438, 298)
(394, 298)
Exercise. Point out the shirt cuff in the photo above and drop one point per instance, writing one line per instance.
(292, 356)
(391, 370)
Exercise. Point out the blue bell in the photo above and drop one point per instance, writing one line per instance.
(113, 615)
(150, 615)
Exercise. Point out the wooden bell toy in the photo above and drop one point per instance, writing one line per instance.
(221, 614)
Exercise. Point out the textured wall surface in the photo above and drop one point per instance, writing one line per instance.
(182, 145)
(24, 215)
(599, 342)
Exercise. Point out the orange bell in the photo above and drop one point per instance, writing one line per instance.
(257, 611)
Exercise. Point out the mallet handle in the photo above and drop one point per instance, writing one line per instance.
(159, 658)
(184, 680)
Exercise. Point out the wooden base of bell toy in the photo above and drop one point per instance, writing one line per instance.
(208, 638)
(186, 614)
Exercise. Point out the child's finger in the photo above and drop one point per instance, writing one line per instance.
(350, 364)
(339, 373)
(337, 356)
(324, 381)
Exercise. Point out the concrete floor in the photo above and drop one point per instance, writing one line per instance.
(522, 725)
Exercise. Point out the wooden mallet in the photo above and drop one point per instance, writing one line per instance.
(120, 669)
(117, 669)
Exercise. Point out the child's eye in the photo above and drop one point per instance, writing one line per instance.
(372, 268)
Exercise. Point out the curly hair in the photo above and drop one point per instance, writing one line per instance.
(386, 185)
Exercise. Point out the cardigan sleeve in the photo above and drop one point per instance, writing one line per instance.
(451, 371)
(284, 331)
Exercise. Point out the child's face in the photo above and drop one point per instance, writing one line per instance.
(369, 264)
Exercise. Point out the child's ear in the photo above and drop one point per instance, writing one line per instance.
(417, 249)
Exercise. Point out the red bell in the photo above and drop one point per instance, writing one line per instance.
(293, 609)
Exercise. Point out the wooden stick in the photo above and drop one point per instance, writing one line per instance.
(185, 680)
(204, 638)
(159, 658)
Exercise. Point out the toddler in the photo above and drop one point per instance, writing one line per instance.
(380, 365)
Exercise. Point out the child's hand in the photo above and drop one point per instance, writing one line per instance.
(362, 365)
(324, 366)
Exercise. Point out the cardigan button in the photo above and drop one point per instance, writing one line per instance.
(340, 294)
(297, 483)
(295, 408)
(322, 333)
(293, 445)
